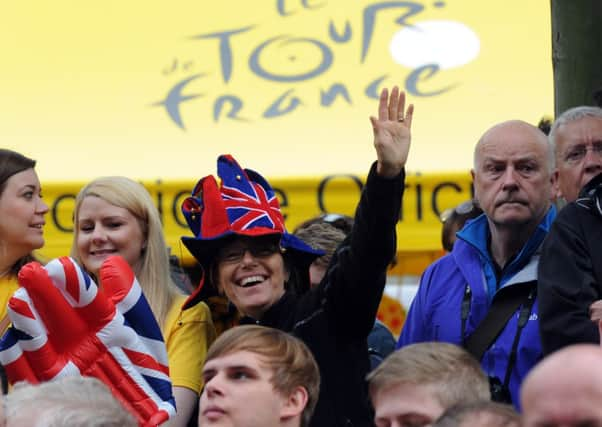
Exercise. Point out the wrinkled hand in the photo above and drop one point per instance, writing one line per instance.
(62, 324)
(392, 132)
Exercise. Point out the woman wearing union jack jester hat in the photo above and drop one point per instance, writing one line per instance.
(116, 216)
(247, 254)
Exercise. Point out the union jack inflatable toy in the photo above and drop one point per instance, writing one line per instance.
(62, 325)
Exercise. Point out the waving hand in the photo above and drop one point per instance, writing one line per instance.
(392, 132)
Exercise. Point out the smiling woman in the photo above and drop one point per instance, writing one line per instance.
(116, 216)
(22, 213)
(246, 253)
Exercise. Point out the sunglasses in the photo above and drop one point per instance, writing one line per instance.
(235, 251)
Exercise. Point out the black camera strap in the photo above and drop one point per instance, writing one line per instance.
(523, 318)
(504, 305)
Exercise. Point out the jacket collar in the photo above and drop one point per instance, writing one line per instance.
(476, 233)
(523, 267)
(274, 315)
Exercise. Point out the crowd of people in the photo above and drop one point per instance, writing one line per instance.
(504, 329)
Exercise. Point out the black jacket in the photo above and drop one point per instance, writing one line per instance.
(335, 318)
(570, 275)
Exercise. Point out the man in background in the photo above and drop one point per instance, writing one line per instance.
(66, 402)
(486, 287)
(570, 272)
(565, 389)
(413, 386)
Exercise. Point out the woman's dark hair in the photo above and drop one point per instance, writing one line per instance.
(12, 163)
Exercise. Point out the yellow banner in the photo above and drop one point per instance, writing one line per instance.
(155, 89)
(419, 231)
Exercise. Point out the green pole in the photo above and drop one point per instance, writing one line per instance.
(576, 52)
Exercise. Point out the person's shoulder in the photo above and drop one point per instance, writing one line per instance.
(198, 312)
(570, 209)
(577, 214)
(446, 263)
(440, 276)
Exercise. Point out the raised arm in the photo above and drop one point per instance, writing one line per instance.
(357, 274)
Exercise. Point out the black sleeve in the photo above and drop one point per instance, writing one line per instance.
(566, 283)
(356, 277)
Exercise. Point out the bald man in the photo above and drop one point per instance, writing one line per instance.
(565, 389)
(493, 260)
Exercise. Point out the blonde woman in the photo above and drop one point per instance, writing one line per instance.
(116, 216)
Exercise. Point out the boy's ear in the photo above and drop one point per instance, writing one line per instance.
(294, 404)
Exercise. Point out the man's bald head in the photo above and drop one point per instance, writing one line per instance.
(504, 131)
(565, 389)
(513, 178)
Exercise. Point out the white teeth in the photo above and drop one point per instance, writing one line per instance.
(101, 252)
(251, 279)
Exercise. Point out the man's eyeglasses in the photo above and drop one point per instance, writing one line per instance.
(576, 154)
(236, 251)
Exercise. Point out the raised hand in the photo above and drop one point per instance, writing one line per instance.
(62, 324)
(392, 132)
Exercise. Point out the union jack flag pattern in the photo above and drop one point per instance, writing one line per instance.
(250, 202)
(62, 324)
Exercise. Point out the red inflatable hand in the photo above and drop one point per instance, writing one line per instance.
(62, 324)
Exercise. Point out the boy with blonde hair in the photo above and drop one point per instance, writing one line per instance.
(257, 376)
(417, 383)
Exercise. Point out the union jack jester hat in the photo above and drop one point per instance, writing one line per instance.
(244, 204)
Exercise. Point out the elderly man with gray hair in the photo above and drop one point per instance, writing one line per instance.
(576, 139)
(65, 402)
(570, 271)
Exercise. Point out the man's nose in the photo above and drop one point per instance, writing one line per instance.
(509, 179)
(593, 160)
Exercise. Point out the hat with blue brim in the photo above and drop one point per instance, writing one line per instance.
(242, 205)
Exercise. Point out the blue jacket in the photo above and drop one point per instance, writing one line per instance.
(435, 314)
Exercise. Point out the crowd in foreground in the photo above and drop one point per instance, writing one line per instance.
(504, 329)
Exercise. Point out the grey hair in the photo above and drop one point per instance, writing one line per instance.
(69, 401)
(571, 115)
